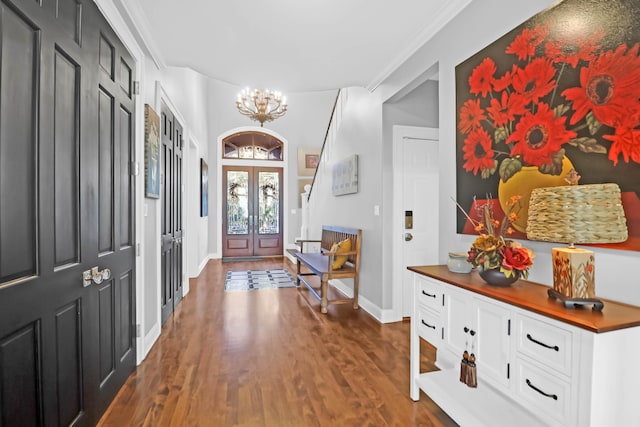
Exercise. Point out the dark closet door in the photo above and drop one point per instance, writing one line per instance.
(66, 207)
(171, 238)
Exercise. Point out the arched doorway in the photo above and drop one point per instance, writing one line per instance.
(252, 190)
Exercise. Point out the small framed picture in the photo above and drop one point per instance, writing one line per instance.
(311, 161)
(308, 160)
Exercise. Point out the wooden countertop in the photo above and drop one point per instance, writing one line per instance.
(533, 297)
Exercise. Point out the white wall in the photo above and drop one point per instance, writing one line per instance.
(418, 108)
(359, 131)
(185, 91)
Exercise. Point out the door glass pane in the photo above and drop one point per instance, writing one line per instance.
(268, 203)
(237, 202)
(246, 152)
(260, 153)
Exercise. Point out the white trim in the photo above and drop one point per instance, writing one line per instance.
(399, 133)
(203, 264)
(150, 338)
(190, 197)
(284, 164)
(437, 21)
(135, 18)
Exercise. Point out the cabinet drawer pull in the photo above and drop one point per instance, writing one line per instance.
(555, 347)
(551, 396)
(429, 295)
(427, 325)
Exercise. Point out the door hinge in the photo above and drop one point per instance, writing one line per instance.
(136, 87)
(508, 370)
(509, 327)
(442, 329)
(443, 300)
(135, 168)
(138, 331)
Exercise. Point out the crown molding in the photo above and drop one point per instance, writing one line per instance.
(136, 20)
(439, 20)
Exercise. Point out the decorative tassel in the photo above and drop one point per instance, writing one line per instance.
(472, 375)
(464, 366)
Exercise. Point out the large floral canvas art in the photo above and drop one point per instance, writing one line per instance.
(561, 92)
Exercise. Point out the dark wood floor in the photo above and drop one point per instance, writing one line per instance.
(269, 358)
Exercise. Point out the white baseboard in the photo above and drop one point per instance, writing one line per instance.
(381, 315)
(148, 341)
(203, 264)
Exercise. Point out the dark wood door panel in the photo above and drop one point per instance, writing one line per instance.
(66, 157)
(69, 365)
(171, 233)
(18, 146)
(254, 229)
(21, 395)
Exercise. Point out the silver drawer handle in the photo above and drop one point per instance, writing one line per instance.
(551, 396)
(530, 338)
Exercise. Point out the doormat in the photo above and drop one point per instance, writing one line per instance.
(258, 279)
(242, 258)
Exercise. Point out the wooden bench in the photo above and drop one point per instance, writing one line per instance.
(321, 264)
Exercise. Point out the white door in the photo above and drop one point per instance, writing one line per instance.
(416, 207)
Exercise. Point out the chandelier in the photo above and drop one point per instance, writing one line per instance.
(261, 105)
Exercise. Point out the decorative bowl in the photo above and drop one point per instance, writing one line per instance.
(458, 262)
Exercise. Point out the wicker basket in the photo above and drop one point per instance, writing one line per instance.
(577, 214)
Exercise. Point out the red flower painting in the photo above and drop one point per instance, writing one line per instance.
(536, 111)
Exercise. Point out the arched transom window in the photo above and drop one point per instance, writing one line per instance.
(252, 145)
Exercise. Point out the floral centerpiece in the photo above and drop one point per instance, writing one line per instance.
(492, 250)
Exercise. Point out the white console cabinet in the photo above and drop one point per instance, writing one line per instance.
(538, 363)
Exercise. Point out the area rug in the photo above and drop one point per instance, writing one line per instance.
(258, 279)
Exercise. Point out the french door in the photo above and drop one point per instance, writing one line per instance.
(171, 238)
(252, 211)
(67, 276)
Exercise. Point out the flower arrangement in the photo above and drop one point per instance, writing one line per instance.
(491, 250)
(562, 90)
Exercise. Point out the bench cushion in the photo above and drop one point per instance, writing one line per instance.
(343, 246)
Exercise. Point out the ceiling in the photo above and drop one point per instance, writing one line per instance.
(289, 45)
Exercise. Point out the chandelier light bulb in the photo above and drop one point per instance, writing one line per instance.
(261, 105)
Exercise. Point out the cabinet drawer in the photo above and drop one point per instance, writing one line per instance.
(543, 393)
(429, 293)
(546, 343)
(429, 325)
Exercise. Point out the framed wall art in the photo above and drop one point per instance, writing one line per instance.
(559, 92)
(345, 176)
(308, 159)
(151, 153)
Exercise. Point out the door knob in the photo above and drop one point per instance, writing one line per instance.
(95, 276)
(408, 237)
